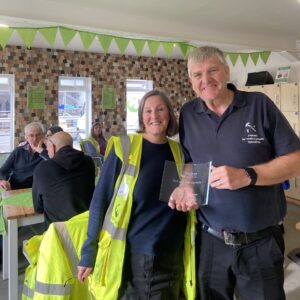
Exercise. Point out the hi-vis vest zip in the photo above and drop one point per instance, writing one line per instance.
(52, 274)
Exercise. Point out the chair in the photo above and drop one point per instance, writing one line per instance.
(90, 147)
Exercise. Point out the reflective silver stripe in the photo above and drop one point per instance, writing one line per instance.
(25, 253)
(53, 289)
(117, 233)
(27, 291)
(131, 170)
(125, 143)
(68, 246)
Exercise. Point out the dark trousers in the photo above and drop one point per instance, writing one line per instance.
(253, 271)
(151, 277)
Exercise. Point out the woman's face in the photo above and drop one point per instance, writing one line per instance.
(97, 130)
(155, 117)
(48, 134)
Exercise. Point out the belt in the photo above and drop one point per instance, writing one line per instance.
(238, 238)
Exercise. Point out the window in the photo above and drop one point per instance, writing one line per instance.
(136, 89)
(74, 107)
(7, 100)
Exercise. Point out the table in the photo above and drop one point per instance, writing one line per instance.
(15, 216)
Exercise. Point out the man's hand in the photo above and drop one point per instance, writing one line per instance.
(83, 272)
(230, 178)
(38, 148)
(183, 198)
(4, 184)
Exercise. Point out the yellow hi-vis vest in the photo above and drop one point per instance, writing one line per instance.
(107, 276)
(53, 257)
(92, 141)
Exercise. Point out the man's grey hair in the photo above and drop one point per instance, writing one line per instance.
(36, 125)
(199, 55)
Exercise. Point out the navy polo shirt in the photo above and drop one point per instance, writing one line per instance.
(251, 131)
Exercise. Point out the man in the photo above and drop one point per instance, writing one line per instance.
(63, 185)
(253, 149)
(17, 171)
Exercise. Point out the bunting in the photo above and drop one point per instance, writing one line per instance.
(5, 34)
(49, 34)
(67, 34)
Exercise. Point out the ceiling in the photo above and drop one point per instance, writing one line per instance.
(232, 25)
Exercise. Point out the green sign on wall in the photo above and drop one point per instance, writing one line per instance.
(108, 98)
(36, 97)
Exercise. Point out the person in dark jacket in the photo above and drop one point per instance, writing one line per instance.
(52, 130)
(17, 171)
(63, 185)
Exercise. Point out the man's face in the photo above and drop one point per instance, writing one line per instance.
(34, 136)
(209, 79)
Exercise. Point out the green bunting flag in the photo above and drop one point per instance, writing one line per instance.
(265, 56)
(5, 34)
(105, 41)
(27, 35)
(122, 43)
(49, 34)
(87, 38)
(244, 57)
(233, 57)
(184, 48)
(67, 34)
(138, 45)
(168, 47)
(254, 56)
(153, 47)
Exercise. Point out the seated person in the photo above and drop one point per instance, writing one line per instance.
(95, 145)
(64, 184)
(17, 170)
(96, 133)
(53, 129)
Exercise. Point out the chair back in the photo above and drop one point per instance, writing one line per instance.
(96, 156)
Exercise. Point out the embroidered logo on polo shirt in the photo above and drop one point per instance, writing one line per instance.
(251, 135)
(250, 128)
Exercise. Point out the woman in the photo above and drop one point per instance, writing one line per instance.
(95, 145)
(96, 133)
(135, 219)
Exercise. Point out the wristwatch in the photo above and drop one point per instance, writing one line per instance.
(250, 172)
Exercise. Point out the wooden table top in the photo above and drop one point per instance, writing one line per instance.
(11, 211)
(16, 212)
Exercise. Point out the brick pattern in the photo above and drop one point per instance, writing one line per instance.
(42, 67)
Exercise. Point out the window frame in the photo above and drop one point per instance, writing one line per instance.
(10, 87)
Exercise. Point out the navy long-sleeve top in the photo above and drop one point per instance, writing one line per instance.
(20, 165)
(154, 229)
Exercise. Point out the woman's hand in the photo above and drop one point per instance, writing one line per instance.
(83, 272)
